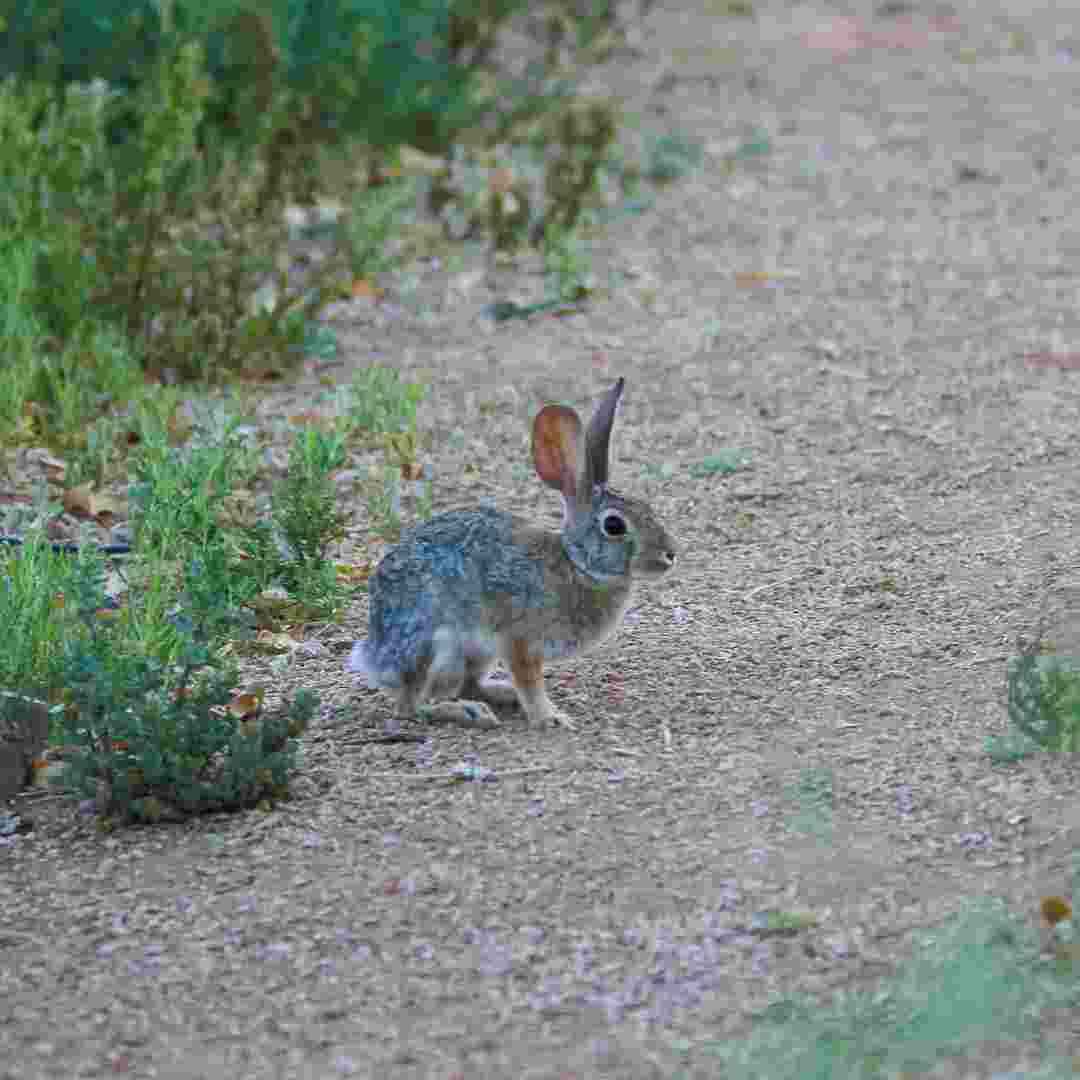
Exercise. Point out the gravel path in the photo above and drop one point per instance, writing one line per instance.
(880, 309)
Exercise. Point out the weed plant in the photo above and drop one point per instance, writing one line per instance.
(1044, 700)
(975, 986)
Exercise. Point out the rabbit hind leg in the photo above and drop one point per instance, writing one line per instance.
(453, 675)
(479, 687)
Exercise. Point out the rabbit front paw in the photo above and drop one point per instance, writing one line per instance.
(472, 714)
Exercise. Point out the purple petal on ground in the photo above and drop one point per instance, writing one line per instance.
(759, 959)
(106, 950)
(974, 840)
(616, 776)
(274, 950)
(423, 951)
(905, 800)
(496, 960)
(312, 840)
(88, 807)
(425, 754)
(344, 1065)
(362, 952)
(471, 935)
(725, 935)
(391, 726)
(582, 960)
(759, 808)
(327, 967)
(534, 935)
(246, 905)
(391, 839)
(120, 922)
(155, 948)
(233, 936)
(692, 957)
(680, 616)
(635, 990)
(535, 808)
(407, 887)
(729, 896)
(184, 904)
(758, 855)
(840, 949)
(661, 1011)
(633, 937)
(343, 936)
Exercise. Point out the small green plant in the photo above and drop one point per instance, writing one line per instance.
(307, 516)
(379, 400)
(567, 265)
(37, 585)
(670, 157)
(816, 800)
(147, 719)
(374, 232)
(721, 464)
(384, 503)
(976, 981)
(1044, 700)
(179, 492)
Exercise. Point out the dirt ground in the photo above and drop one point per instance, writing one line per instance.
(882, 310)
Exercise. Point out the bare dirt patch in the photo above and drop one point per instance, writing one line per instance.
(795, 722)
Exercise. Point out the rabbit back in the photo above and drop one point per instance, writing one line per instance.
(448, 580)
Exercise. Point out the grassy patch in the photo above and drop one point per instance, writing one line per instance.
(973, 990)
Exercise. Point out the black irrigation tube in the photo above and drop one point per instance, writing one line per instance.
(70, 548)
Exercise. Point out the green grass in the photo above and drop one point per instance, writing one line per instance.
(975, 989)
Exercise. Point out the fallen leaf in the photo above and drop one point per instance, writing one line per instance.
(80, 501)
(245, 705)
(501, 181)
(355, 573)
(1055, 909)
(748, 278)
(363, 289)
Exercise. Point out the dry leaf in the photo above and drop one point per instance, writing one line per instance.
(363, 289)
(244, 706)
(80, 501)
(355, 573)
(1055, 909)
(500, 181)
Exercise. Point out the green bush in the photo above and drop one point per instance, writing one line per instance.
(1044, 700)
(146, 719)
(148, 742)
(176, 245)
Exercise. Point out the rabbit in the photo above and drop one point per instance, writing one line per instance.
(471, 586)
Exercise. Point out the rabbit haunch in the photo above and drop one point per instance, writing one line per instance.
(472, 586)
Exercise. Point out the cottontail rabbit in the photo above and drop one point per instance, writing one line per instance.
(469, 586)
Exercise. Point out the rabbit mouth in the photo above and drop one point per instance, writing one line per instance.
(658, 565)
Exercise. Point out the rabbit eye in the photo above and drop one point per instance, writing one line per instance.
(613, 523)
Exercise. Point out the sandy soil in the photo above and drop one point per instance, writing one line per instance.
(794, 721)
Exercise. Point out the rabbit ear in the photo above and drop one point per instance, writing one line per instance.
(556, 448)
(598, 440)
